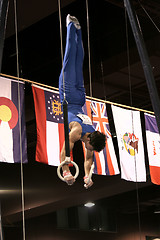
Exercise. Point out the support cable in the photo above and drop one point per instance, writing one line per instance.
(19, 113)
(89, 60)
(89, 55)
(149, 16)
(65, 103)
(102, 72)
(131, 102)
(60, 28)
(4, 5)
(1, 228)
(128, 61)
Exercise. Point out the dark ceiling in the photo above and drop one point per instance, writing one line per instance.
(40, 61)
(39, 46)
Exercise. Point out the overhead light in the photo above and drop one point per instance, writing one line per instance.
(89, 204)
(158, 211)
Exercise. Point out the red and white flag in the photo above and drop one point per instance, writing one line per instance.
(130, 142)
(105, 161)
(153, 146)
(50, 127)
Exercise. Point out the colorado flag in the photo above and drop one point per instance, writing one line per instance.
(153, 146)
(50, 127)
(10, 135)
(130, 142)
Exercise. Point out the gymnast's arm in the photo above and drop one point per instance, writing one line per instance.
(74, 136)
(88, 161)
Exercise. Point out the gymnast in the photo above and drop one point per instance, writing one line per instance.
(80, 125)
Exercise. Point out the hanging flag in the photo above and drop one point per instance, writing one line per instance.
(130, 142)
(50, 127)
(11, 151)
(153, 146)
(105, 161)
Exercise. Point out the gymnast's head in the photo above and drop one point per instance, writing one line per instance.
(97, 140)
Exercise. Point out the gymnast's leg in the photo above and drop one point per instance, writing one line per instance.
(68, 63)
(79, 68)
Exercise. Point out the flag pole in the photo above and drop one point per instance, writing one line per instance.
(144, 60)
(3, 19)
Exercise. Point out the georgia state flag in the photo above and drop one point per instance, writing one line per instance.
(50, 127)
(10, 134)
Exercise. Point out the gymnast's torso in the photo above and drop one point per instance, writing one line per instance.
(76, 114)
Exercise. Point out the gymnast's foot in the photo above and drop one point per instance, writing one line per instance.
(68, 178)
(88, 183)
(74, 20)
